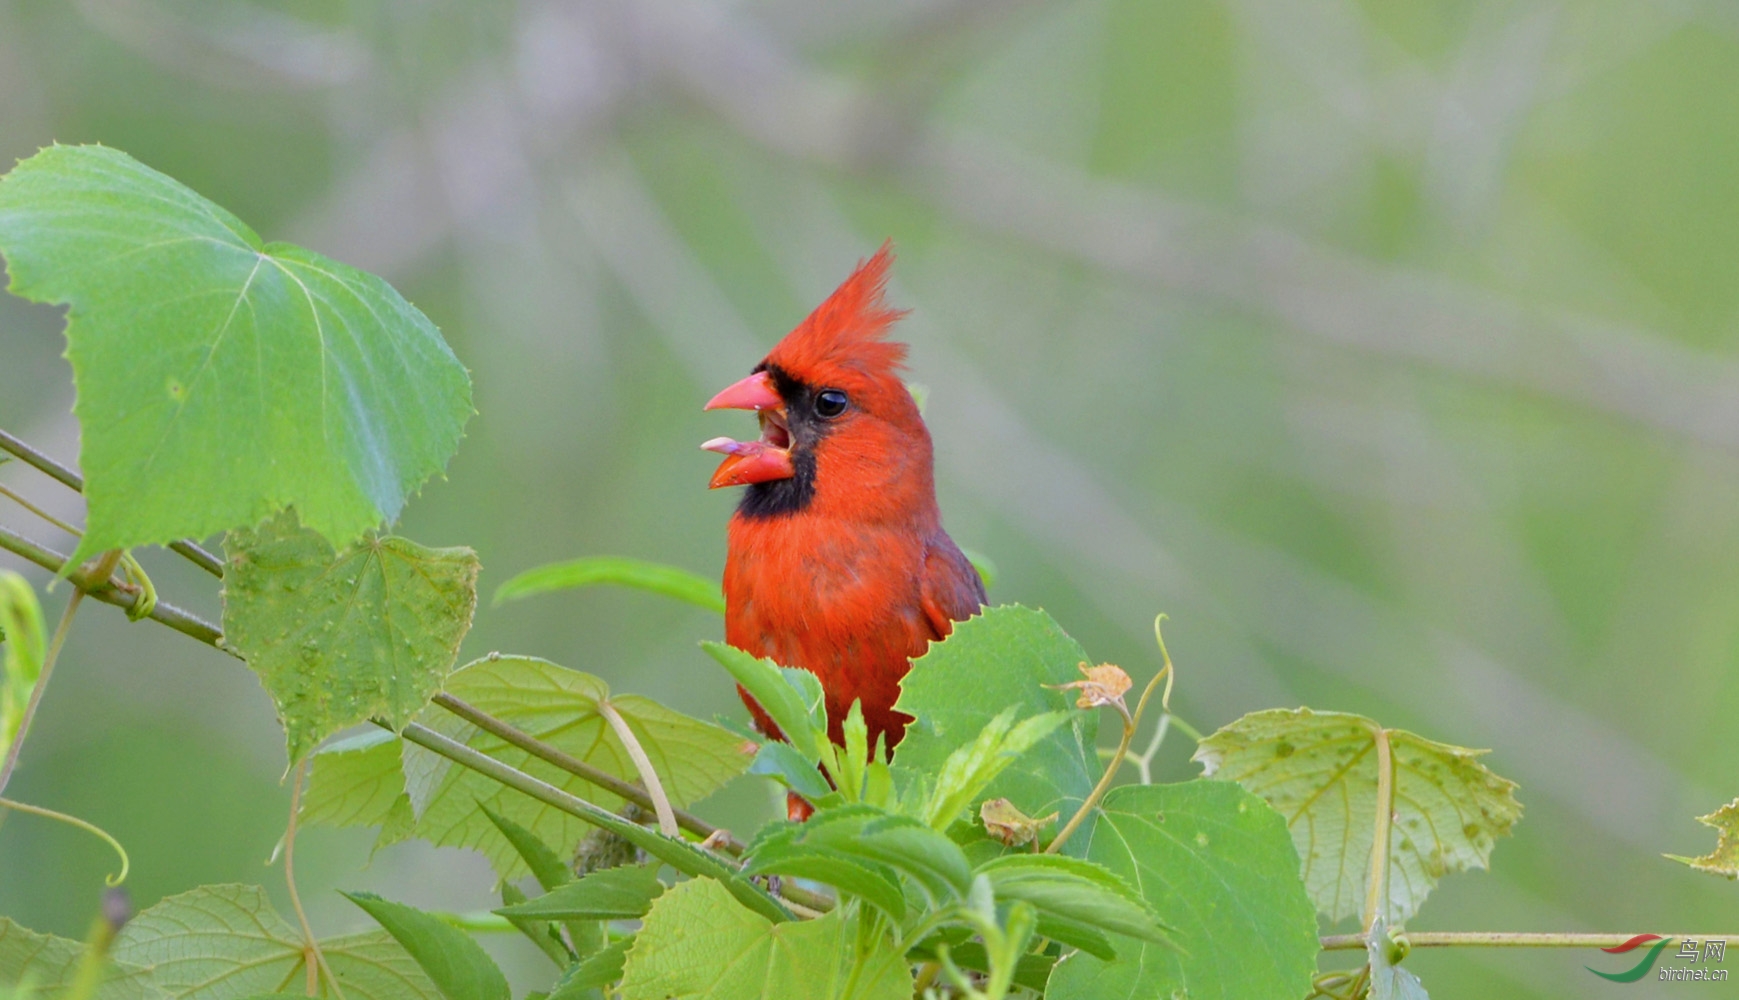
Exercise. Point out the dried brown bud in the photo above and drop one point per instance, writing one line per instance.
(1009, 825)
(1104, 685)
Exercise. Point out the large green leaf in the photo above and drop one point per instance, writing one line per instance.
(221, 379)
(355, 781)
(458, 966)
(1319, 770)
(638, 574)
(21, 654)
(221, 941)
(341, 637)
(1217, 867)
(51, 962)
(560, 707)
(698, 943)
(993, 661)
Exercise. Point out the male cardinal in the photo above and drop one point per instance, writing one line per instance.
(837, 559)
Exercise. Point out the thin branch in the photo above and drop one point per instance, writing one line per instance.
(106, 591)
(309, 941)
(85, 825)
(642, 763)
(550, 795)
(1501, 939)
(38, 511)
(1130, 723)
(1144, 762)
(42, 463)
(580, 769)
(1376, 884)
(186, 547)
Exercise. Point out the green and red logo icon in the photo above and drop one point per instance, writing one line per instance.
(1643, 967)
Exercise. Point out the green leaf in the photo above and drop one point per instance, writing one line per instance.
(970, 769)
(788, 699)
(459, 967)
(549, 870)
(560, 707)
(870, 881)
(698, 943)
(600, 970)
(1724, 859)
(338, 638)
(787, 766)
(539, 932)
(21, 657)
(870, 834)
(221, 379)
(1216, 865)
(359, 781)
(657, 578)
(1319, 770)
(50, 964)
(624, 893)
(221, 941)
(353, 781)
(1076, 890)
(992, 661)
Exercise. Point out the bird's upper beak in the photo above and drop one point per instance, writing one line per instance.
(760, 461)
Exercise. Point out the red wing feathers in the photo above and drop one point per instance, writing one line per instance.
(952, 590)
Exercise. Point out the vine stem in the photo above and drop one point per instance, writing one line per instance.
(193, 627)
(38, 511)
(1376, 884)
(1500, 939)
(1130, 723)
(85, 825)
(102, 589)
(580, 769)
(186, 547)
(104, 568)
(550, 795)
(642, 763)
(309, 941)
(169, 615)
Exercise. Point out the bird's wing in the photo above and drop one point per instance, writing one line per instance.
(951, 590)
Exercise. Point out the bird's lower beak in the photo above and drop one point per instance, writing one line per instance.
(760, 461)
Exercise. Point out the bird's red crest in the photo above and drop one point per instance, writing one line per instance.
(847, 333)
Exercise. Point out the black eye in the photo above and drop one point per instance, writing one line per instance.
(829, 403)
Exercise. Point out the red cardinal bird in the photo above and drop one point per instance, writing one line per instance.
(838, 562)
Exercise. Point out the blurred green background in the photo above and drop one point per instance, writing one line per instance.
(1389, 348)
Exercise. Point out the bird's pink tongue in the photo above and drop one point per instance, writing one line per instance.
(748, 462)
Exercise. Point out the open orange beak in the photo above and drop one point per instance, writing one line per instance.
(759, 461)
